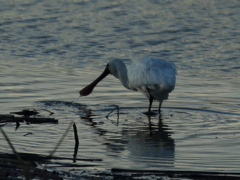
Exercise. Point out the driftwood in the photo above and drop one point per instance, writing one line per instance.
(34, 112)
(76, 142)
(35, 120)
(24, 116)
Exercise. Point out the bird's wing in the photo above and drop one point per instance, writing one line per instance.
(152, 73)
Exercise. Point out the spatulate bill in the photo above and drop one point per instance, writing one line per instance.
(88, 89)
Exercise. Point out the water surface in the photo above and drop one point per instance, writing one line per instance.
(52, 49)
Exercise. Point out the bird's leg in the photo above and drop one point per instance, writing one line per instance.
(160, 104)
(150, 104)
(150, 126)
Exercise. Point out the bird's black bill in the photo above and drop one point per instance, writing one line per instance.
(88, 89)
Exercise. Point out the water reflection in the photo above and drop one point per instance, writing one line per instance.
(144, 142)
(153, 143)
(49, 49)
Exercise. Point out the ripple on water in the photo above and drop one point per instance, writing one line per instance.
(179, 138)
(51, 49)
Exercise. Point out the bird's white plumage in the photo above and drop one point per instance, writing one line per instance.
(153, 75)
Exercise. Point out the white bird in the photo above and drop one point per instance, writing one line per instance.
(153, 77)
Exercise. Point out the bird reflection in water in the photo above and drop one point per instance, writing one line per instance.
(152, 141)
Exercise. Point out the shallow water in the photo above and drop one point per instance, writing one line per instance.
(52, 49)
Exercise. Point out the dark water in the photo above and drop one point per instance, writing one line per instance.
(49, 50)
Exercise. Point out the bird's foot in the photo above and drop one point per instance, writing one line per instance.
(151, 113)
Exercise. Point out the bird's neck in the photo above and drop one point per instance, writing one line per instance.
(122, 75)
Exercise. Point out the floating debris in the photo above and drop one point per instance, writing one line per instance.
(25, 117)
(35, 120)
(34, 112)
(26, 112)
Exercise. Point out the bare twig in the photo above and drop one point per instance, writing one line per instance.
(51, 113)
(23, 164)
(76, 142)
(116, 107)
(60, 141)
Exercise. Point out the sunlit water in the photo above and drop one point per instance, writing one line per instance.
(49, 50)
